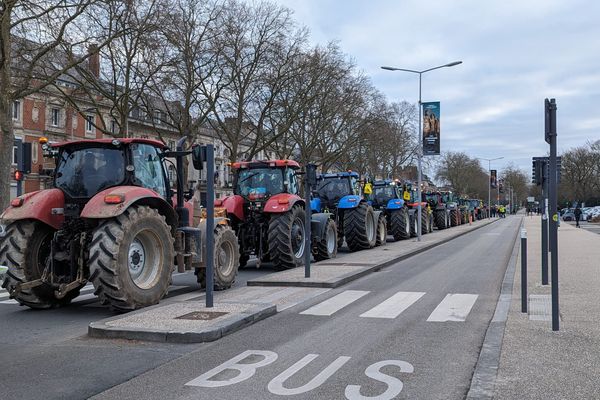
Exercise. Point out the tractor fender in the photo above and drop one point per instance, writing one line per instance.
(282, 202)
(350, 201)
(46, 206)
(395, 204)
(318, 223)
(315, 205)
(97, 208)
(233, 204)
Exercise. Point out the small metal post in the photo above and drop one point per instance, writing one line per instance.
(210, 223)
(309, 181)
(552, 198)
(523, 270)
(545, 232)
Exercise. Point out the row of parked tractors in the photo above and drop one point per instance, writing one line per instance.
(112, 218)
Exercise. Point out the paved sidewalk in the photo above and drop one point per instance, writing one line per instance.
(535, 362)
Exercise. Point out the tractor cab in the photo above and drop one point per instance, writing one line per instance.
(384, 192)
(333, 187)
(86, 168)
(257, 181)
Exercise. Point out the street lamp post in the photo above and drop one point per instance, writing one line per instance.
(489, 160)
(420, 147)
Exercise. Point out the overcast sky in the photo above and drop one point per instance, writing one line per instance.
(514, 53)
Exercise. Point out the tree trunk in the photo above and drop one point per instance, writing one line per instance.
(6, 148)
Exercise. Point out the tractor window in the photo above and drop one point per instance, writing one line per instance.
(382, 194)
(83, 172)
(259, 183)
(292, 182)
(148, 168)
(332, 189)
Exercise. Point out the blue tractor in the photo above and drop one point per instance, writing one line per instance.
(361, 226)
(388, 197)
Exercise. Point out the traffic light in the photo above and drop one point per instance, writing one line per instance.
(18, 175)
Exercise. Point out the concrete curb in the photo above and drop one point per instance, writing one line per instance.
(331, 284)
(102, 329)
(483, 381)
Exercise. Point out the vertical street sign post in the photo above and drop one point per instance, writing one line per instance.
(210, 223)
(310, 182)
(544, 171)
(550, 136)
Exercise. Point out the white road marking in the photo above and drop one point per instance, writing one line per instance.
(454, 307)
(393, 306)
(335, 303)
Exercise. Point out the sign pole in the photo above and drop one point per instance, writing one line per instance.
(552, 189)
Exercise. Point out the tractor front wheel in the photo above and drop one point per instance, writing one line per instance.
(131, 259)
(286, 238)
(381, 230)
(226, 259)
(25, 250)
(328, 246)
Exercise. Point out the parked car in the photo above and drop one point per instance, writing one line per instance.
(568, 215)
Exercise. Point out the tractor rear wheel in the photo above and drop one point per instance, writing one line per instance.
(131, 259)
(381, 230)
(226, 259)
(25, 249)
(286, 238)
(328, 246)
(414, 225)
(400, 224)
(360, 229)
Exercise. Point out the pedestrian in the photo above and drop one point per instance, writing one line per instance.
(577, 213)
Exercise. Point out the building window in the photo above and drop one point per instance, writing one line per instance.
(89, 123)
(157, 119)
(55, 116)
(113, 126)
(34, 152)
(172, 145)
(14, 157)
(16, 110)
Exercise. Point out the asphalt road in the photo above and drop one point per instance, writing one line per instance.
(47, 354)
(413, 330)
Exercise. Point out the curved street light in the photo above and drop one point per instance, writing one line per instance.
(420, 152)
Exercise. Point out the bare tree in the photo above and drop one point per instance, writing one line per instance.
(464, 174)
(516, 179)
(581, 174)
(255, 55)
(39, 41)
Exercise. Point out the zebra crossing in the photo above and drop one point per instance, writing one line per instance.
(455, 307)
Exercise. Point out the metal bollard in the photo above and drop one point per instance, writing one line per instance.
(523, 270)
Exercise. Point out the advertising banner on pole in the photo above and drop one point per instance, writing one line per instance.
(493, 179)
(431, 128)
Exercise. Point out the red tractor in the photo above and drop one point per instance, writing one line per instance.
(111, 218)
(268, 215)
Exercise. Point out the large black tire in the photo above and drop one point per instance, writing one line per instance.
(131, 259)
(360, 228)
(340, 235)
(328, 246)
(226, 259)
(424, 222)
(400, 224)
(381, 230)
(440, 219)
(24, 250)
(414, 227)
(286, 238)
(454, 218)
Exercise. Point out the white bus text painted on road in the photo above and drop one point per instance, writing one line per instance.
(247, 370)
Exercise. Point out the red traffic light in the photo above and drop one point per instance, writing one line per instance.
(19, 175)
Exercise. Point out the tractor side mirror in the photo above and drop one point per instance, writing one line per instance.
(198, 156)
